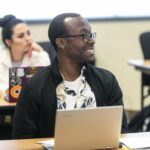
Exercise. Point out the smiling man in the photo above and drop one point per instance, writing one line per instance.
(71, 82)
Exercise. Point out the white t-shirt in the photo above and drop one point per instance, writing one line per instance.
(75, 94)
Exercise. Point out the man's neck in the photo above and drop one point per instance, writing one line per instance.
(70, 71)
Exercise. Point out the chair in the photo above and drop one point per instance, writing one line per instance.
(145, 78)
(47, 46)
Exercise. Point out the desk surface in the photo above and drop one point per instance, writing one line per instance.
(25, 144)
(32, 144)
(141, 65)
(5, 104)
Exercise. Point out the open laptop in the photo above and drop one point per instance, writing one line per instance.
(18, 76)
(89, 128)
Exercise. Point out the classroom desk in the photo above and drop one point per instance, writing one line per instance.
(26, 144)
(140, 65)
(144, 67)
(32, 144)
(23, 144)
(6, 108)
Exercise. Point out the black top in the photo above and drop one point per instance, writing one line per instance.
(37, 104)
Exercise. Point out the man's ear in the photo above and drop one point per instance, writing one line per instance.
(8, 42)
(60, 43)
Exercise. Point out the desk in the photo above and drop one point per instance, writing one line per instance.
(31, 144)
(141, 65)
(5, 104)
(144, 67)
(26, 144)
(6, 107)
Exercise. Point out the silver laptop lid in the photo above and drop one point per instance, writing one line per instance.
(89, 128)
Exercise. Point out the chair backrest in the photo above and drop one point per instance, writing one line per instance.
(140, 122)
(47, 46)
(145, 44)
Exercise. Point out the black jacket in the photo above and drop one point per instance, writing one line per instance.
(37, 104)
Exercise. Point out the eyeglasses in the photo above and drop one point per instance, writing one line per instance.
(86, 36)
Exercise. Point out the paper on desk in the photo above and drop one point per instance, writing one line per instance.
(136, 142)
(48, 144)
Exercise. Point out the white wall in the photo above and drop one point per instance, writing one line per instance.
(116, 43)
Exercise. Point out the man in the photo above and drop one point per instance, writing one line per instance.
(69, 83)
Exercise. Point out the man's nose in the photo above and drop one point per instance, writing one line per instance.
(92, 41)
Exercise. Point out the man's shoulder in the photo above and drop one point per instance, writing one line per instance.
(40, 76)
(100, 71)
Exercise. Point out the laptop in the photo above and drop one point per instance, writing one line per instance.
(18, 76)
(89, 128)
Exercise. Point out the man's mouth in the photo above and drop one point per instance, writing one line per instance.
(89, 51)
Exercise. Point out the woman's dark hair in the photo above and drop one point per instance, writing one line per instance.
(7, 23)
(57, 27)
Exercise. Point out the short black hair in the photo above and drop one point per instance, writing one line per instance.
(57, 27)
(7, 23)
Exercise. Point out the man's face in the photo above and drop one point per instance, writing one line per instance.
(78, 49)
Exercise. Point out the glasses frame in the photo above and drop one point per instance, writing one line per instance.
(86, 36)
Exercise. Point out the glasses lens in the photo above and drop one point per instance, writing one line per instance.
(88, 36)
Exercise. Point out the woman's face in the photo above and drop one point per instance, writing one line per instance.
(21, 40)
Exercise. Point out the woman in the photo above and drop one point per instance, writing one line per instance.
(20, 50)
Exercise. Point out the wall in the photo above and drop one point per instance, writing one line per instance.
(117, 41)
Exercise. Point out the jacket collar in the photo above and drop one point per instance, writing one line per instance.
(56, 73)
(55, 70)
